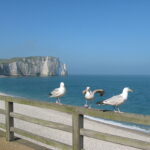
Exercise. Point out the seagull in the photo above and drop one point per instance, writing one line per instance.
(117, 100)
(58, 92)
(89, 95)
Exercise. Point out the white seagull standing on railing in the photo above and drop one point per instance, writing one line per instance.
(58, 92)
(89, 95)
(117, 100)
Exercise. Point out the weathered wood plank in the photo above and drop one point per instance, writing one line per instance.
(116, 139)
(2, 111)
(41, 122)
(125, 117)
(62, 108)
(77, 124)
(42, 139)
(2, 98)
(2, 125)
(9, 121)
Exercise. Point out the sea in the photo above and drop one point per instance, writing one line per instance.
(38, 88)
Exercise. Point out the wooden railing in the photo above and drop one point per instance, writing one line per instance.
(77, 129)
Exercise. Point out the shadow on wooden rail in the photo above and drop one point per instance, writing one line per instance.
(77, 129)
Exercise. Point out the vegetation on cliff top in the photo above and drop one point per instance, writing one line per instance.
(7, 61)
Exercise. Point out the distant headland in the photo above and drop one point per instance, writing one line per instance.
(32, 66)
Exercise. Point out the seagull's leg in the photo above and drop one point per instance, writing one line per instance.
(86, 104)
(90, 105)
(114, 108)
(57, 101)
(118, 109)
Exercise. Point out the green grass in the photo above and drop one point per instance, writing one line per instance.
(7, 61)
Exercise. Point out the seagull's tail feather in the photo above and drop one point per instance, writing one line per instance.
(50, 94)
(100, 102)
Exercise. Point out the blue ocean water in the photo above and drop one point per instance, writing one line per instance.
(37, 88)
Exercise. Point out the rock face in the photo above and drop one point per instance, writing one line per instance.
(30, 66)
(64, 71)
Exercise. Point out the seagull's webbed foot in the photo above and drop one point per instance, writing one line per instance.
(116, 109)
(58, 101)
(89, 107)
(119, 111)
(86, 105)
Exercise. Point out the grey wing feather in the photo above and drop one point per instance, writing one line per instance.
(84, 92)
(100, 91)
(113, 100)
(55, 92)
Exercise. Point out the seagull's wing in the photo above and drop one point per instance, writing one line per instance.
(55, 92)
(100, 91)
(115, 100)
(84, 92)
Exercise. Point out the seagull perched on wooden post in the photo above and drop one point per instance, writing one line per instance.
(117, 100)
(89, 95)
(58, 92)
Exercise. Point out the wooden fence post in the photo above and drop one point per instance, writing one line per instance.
(9, 121)
(77, 124)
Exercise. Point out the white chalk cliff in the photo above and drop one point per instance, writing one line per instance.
(64, 71)
(31, 66)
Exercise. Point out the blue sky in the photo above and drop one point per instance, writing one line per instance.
(91, 36)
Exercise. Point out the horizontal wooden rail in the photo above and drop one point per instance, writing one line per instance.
(41, 139)
(2, 111)
(41, 122)
(62, 108)
(117, 116)
(116, 139)
(2, 98)
(2, 125)
(125, 117)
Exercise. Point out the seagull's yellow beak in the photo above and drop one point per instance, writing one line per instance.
(130, 90)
